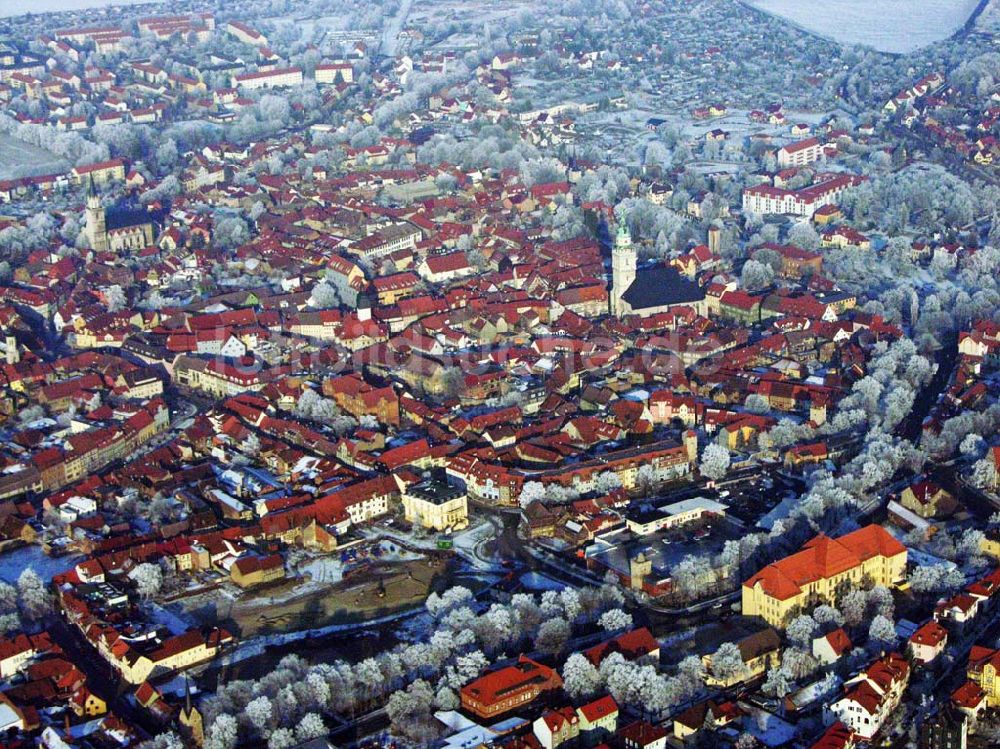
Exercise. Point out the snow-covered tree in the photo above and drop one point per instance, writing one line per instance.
(531, 491)
(615, 619)
(115, 298)
(553, 635)
(727, 662)
(756, 275)
(854, 606)
(936, 578)
(827, 615)
(984, 474)
(409, 711)
(259, 712)
(310, 727)
(756, 403)
(581, 679)
(33, 597)
(972, 446)
(148, 579)
(229, 232)
(801, 630)
(281, 738)
(690, 574)
(607, 482)
(168, 740)
(882, 633)
(222, 733)
(324, 296)
(777, 684)
(715, 461)
(804, 235)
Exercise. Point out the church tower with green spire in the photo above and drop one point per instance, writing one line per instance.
(623, 262)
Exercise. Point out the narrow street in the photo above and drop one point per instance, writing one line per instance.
(945, 358)
(102, 680)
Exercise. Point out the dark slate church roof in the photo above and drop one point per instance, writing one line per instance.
(659, 286)
(124, 215)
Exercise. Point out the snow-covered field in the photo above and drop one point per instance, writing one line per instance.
(13, 563)
(20, 159)
(887, 25)
(17, 7)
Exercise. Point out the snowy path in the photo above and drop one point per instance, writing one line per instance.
(390, 36)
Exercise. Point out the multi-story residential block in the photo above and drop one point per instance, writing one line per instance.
(766, 199)
(276, 78)
(873, 695)
(800, 153)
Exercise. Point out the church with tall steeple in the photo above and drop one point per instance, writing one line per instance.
(120, 228)
(658, 288)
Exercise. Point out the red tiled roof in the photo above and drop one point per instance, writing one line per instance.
(824, 557)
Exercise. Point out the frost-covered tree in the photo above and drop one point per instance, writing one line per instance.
(581, 679)
(607, 482)
(531, 491)
(168, 740)
(984, 474)
(572, 607)
(972, 446)
(222, 733)
(647, 477)
(553, 635)
(801, 630)
(324, 296)
(33, 597)
(756, 403)
(936, 578)
(880, 599)
(310, 727)
(259, 712)
(115, 298)
(727, 662)
(148, 579)
(715, 461)
(615, 619)
(882, 633)
(854, 606)
(803, 235)
(229, 232)
(690, 574)
(777, 684)
(409, 711)
(827, 616)
(281, 738)
(756, 275)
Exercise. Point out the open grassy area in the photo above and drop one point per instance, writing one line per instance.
(293, 605)
(19, 159)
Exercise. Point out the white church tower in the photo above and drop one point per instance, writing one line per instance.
(623, 261)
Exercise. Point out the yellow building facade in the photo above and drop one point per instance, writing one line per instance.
(823, 571)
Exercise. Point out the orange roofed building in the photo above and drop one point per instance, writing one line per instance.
(501, 691)
(822, 571)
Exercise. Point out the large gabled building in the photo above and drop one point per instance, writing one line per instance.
(499, 692)
(822, 571)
